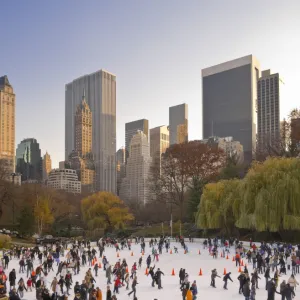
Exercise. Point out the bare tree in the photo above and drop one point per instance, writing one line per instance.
(181, 166)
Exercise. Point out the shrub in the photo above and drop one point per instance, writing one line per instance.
(5, 241)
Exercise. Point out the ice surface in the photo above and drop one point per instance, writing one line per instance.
(191, 261)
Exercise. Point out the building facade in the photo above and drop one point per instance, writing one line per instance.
(268, 111)
(65, 179)
(159, 142)
(131, 129)
(47, 166)
(29, 160)
(100, 92)
(82, 158)
(7, 122)
(229, 95)
(120, 163)
(178, 124)
(134, 187)
(232, 148)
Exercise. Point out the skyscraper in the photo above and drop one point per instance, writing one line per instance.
(159, 142)
(120, 161)
(134, 186)
(83, 128)
(47, 166)
(82, 159)
(268, 110)
(229, 93)
(131, 129)
(100, 92)
(7, 122)
(178, 124)
(29, 160)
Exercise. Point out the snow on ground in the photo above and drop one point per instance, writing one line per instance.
(191, 261)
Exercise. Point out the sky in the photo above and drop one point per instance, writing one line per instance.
(155, 48)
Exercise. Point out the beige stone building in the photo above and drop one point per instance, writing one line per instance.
(7, 122)
(159, 142)
(47, 166)
(134, 187)
(81, 159)
(231, 147)
(65, 179)
(120, 164)
(182, 132)
(178, 124)
(83, 128)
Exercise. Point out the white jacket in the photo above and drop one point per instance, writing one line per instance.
(293, 282)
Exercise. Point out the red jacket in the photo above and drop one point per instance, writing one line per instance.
(118, 282)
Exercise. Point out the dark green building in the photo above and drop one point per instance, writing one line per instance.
(29, 160)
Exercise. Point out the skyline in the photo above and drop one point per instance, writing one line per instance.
(160, 48)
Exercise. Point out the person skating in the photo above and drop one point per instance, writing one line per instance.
(271, 287)
(12, 278)
(98, 294)
(108, 273)
(29, 284)
(13, 295)
(127, 281)
(194, 290)
(293, 282)
(140, 262)
(117, 284)
(158, 278)
(68, 281)
(152, 274)
(246, 289)
(281, 289)
(225, 279)
(254, 278)
(252, 292)
(214, 274)
(21, 288)
(96, 267)
(267, 276)
(133, 287)
(288, 292)
(181, 275)
(148, 261)
(189, 295)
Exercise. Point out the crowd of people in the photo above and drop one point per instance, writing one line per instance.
(271, 258)
(49, 270)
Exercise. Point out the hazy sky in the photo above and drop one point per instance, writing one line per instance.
(156, 49)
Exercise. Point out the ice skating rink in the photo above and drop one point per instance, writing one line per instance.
(191, 261)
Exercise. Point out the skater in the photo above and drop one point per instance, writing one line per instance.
(214, 274)
(133, 286)
(246, 289)
(225, 279)
(108, 293)
(12, 278)
(293, 282)
(158, 278)
(194, 290)
(181, 275)
(152, 274)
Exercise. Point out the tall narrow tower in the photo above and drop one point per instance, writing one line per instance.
(83, 128)
(47, 166)
(82, 159)
(7, 123)
(268, 110)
